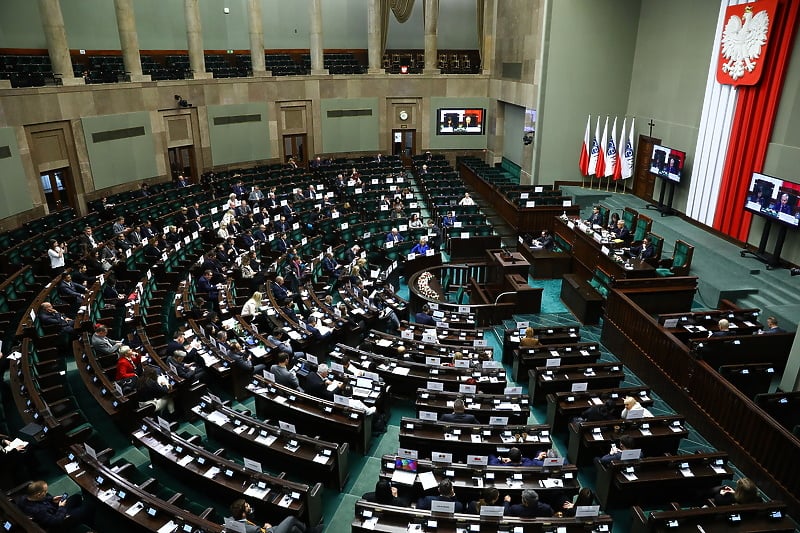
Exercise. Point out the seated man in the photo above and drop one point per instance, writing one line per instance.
(545, 241)
(330, 266)
(241, 512)
(71, 292)
(515, 458)
(190, 353)
(446, 494)
(317, 383)
(772, 326)
(48, 316)
(621, 232)
(284, 375)
(466, 200)
(424, 317)
(595, 219)
(54, 513)
(280, 292)
(625, 443)
(207, 289)
(724, 329)
(645, 250)
(188, 371)
(530, 507)
(394, 236)
(458, 415)
(449, 220)
(102, 345)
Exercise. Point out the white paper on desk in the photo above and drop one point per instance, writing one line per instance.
(266, 441)
(384, 343)
(218, 418)
(630, 477)
(186, 460)
(280, 399)
(596, 401)
(256, 492)
(685, 472)
(532, 438)
(105, 495)
(258, 351)
(547, 378)
(718, 470)
(597, 436)
(370, 523)
(71, 467)
(134, 509)
(428, 480)
(550, 483)
(645, 432)
(505, 405)
(295, 336)
(401, 370)
(169, 527)
(403, 477)
(321, 459)
(334, 385)
(286, 501)
(209, 359)
(211, 472)
(514, 483)
(476, 437)
(240, 429)
(676, 429)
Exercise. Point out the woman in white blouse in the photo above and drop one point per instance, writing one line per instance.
(56, 254)
(251, 307)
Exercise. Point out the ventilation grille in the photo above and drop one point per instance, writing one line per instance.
(341, 113)
(5, 152)
(115, 135)
(236, 119)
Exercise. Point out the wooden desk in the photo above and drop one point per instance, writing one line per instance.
(567, 354)
(545, 264)
(502, 263)
(546, 335)
(313, 457)
(545, 380)
(666, 433)
(674, 478)
(564, 406)
(754, 517)
(400, 520)
(582, 299)
(470, 439)
(483, 406)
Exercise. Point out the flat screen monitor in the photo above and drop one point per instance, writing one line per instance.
(405, 464)
(460, 121)
(667, 163)
(774, 198)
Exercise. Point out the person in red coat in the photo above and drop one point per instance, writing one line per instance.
(128, 363)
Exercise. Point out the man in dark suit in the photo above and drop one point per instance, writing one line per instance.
(279, 291)
(622, 232)
(317, 383)
(394, 236)
(772, 326)
(178, 344)
(70, 291)
(206, 288)
(595, 217)
(458, 416)
(281, 244)
(446, 494)
(316, 334)
(530, 507)
(545, 240)
(330, 266)
(724, 329)
(48, 316)
(283, 375)
(239, 190)
(424, 317)
(645, 250)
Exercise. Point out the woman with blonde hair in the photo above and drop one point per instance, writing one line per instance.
(529, 341)
(251, 307)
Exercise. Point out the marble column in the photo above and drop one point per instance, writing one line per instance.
(194, 37)
(431, 51)
(129, 39)
(256, 38)
(56, 37)
(489, 27)
(316, 38)
(374, 37)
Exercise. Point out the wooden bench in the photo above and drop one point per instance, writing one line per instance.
(582, 299)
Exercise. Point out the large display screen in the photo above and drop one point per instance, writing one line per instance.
(460, 121)
(667, 163)
(774, 198)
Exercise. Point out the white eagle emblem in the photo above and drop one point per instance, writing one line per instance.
(742, 41)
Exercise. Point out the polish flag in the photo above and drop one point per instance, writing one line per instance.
(594, 153)
(600, 171)
(584, 160)
(627, 153)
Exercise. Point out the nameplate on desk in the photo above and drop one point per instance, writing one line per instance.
(512, 390)
(429, 337)
(492, 510)
(553, 361)
(467, 389)
(435, 385)
(498, 420)
(465, 235)
(407, 334)
(587, 511)
(630, 455)
(250, 464)
(566, 203)
(286, 426)
(443, 507)
(477, 460)
(428, 415)
(553, 461)
(480, 343)
(530, 203)
(457, 224)
(462, 363)
(436, 361)
(441, 457)
(407, 453)
(337, 367)
(338, 399)
(579, 387)
(523, 324)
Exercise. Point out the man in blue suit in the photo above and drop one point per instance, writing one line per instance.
(394, 236)
(279, 291)
(446, 494)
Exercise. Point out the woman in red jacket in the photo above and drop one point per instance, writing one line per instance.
(128, 363)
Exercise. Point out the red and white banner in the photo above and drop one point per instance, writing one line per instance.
(627, 152)
(743, 47)
(583, 163)
(594, 152)
(611, 151)
(600, 170)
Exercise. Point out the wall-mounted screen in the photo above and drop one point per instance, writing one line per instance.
(667, 163)
(460, 121)
(774, 198)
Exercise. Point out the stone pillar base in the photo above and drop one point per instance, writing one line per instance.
(72, 81)
(5, 84)
(262, 73)
(431, 71)
(140, 77)
(202, 75)
(376, 71)
(320, 72)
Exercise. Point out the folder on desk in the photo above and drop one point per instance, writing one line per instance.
(403, 477)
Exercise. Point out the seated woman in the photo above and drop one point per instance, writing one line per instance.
(529, 340)
(745, 492)
(584, 497)
(415, 221)
(421, 248)
(489, 496)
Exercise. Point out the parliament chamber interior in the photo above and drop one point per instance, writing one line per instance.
(366, 265)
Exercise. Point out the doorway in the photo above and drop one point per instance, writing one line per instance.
(295, 146)
(181, 161)
(404, 145)
(58, 189)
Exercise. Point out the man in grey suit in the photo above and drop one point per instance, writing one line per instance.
(102, 345)
(283, 375)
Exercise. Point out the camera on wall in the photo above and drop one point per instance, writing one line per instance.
(527, 138)
(181, 102)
